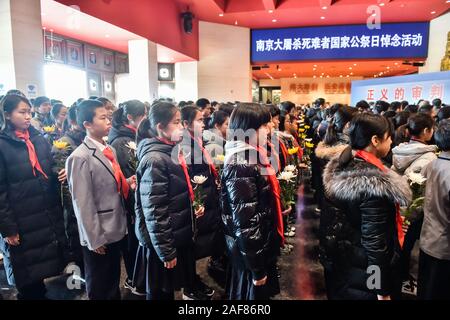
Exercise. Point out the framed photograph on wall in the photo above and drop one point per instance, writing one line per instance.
(54, 49)
(75, 53)
(93, 58)
(94, 84)
(107, 61)
(121, 63)
(165, 71)
(108, 86)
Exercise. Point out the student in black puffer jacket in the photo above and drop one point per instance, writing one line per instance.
(251, 212)
(209, 239)
(122, 137)
(32, 240)
(164, 224)
(365, 197)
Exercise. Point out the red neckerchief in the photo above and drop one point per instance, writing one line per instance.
(372, 159)
(276, 192)
(207, 157)
(122, 184)
(35, 165)
(131, 128)
(183, 165)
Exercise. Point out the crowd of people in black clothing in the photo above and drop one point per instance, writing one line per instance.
(163, 185)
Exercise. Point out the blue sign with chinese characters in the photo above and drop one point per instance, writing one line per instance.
(412, 88)
(393, 40)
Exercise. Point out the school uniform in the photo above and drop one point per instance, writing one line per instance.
(98, 192)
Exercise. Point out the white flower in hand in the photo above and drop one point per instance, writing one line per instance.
(105, 139)
(416, 178)
(131, 145)
(199, 180)
(290, 168)
(287, 176)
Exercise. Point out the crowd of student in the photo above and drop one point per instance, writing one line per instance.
(163, 185)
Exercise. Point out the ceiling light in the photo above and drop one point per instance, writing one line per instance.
(322, 18)
(315, 65)
(351, 73)
(382, 4)
(374, 14)
(220, 14)
(354, 64)
(270, 11)
(321, 76)
(328, 76)
(236, 23)
(388, 67)
(274, 20)
(350, 68)
(324, 8)
(314, 77)
(347, 76)
(341, 76)
(433, 12)
(314, 69)
(397, 62)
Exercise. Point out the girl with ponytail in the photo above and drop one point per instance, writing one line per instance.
(164, 196)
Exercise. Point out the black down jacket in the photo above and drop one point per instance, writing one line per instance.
(364, 231)
(209, 240)
(163, 208)
(248, 212)
(118, 139)
(30, 206)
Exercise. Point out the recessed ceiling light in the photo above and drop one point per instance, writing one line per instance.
(314, 77)
(351, 73)
(315, 66)
(374, 14)
(51, 30)
(328, 76)
(397, 62)
(314, 69)
(354, 64)
(220, 14)
(350, 68)
(274, 20)
(388, 67)
(433, 12)
(324, 8)
(341, 76)
(347, 76)
(321, 76)
(270, 11)
(236, 23)
(322, 18)
(382, 4)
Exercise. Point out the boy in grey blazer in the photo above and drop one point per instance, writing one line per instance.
(98, 189)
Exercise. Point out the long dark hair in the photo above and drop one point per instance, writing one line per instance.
(134, 108)
(218, 117)
(56, 109)
(161, 112)
(188, 114)
(7, 105)
(366, 125)
(419, 122)
(337, 124)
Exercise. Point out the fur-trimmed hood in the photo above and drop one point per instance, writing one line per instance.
(348, 179)
(326, 152)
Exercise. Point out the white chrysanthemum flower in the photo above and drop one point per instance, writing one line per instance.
(287, 176)
(416, 178)
(290, 168)
(199, 179)
(131, 145)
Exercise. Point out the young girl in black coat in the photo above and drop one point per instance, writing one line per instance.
(366, 237)
(209, 238)
(31, 221)
(164, 196)
(122, 137)
(251, 206)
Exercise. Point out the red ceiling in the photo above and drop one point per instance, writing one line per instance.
(74, 24)
(296, 13)
(156, 20)
(359, 68)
